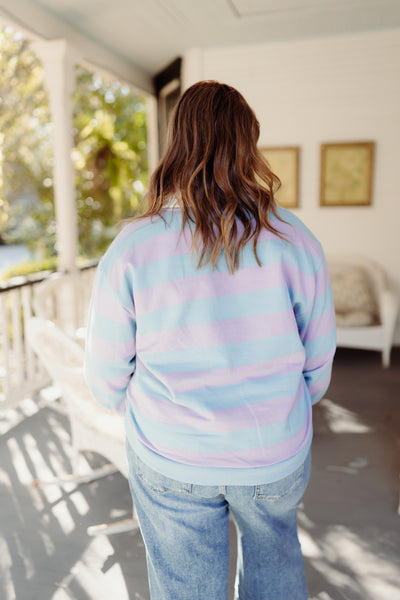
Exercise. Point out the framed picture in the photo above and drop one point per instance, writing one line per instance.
(346, 174)
(284, 162)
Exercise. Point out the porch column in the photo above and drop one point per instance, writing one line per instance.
(152, 133)
(58, 61)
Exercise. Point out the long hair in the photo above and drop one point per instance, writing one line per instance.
(216, 174)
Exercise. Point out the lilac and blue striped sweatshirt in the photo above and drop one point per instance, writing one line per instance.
(216, 372)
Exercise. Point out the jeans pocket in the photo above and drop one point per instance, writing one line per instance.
(158, 483)
(290, 489)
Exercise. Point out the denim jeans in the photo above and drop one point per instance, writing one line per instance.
(185, 528)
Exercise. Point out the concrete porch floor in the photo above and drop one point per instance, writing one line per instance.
(349, 526)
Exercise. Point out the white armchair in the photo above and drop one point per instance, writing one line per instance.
(64, 299)
(93, 428)
(366, 308)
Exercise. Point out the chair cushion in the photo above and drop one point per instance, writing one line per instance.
(355, 318)
(354, 301)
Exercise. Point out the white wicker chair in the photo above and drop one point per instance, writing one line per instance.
(377, 335)
(93, 428)
(64, 299)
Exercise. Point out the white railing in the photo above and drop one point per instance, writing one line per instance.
(21, 374)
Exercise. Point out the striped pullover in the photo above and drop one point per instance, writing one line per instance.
(215, 372)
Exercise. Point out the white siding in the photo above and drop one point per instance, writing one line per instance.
(339, 88)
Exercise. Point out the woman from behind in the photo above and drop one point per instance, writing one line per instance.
(212, 329)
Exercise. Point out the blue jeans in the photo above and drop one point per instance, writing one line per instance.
(185, 528)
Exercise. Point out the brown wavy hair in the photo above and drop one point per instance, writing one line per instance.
(218, 176)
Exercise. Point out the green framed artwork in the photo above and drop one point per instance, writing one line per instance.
(346, 174)
(284, 162)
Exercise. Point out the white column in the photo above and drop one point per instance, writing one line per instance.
(152, 133)
(3, 211)
(58, 62)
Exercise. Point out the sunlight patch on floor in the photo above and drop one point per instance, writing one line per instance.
(24, 556)
(19, 462)
(5, 569)
(309, 548)
(11, 417)
(80, 502)
(350, 565)
(47, 542)
(63, 516)
(58, 429)
(373, 572)
(342, 420)
(352, 468)
(44, 466)
(89, 574)
(5, 479)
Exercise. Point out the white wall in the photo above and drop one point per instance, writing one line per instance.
(306, 92)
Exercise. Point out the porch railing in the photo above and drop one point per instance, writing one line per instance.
(21, 374)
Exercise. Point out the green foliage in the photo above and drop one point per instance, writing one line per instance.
(25, 144)
(110, 156)
(110, 153)
(35, 266)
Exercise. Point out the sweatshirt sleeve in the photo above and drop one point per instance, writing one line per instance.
(317, 328)
(110, 352)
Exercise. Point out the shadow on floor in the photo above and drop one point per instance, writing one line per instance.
(348, 523)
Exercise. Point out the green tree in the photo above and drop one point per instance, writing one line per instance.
(25, 145)
(110, 154)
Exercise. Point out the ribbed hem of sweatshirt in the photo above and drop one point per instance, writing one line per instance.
(214, 475)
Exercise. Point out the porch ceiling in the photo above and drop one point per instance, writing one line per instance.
(148, 34)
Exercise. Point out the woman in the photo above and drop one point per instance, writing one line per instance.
(212, 328)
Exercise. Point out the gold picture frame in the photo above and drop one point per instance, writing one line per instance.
(346, 174)
(284, 162)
